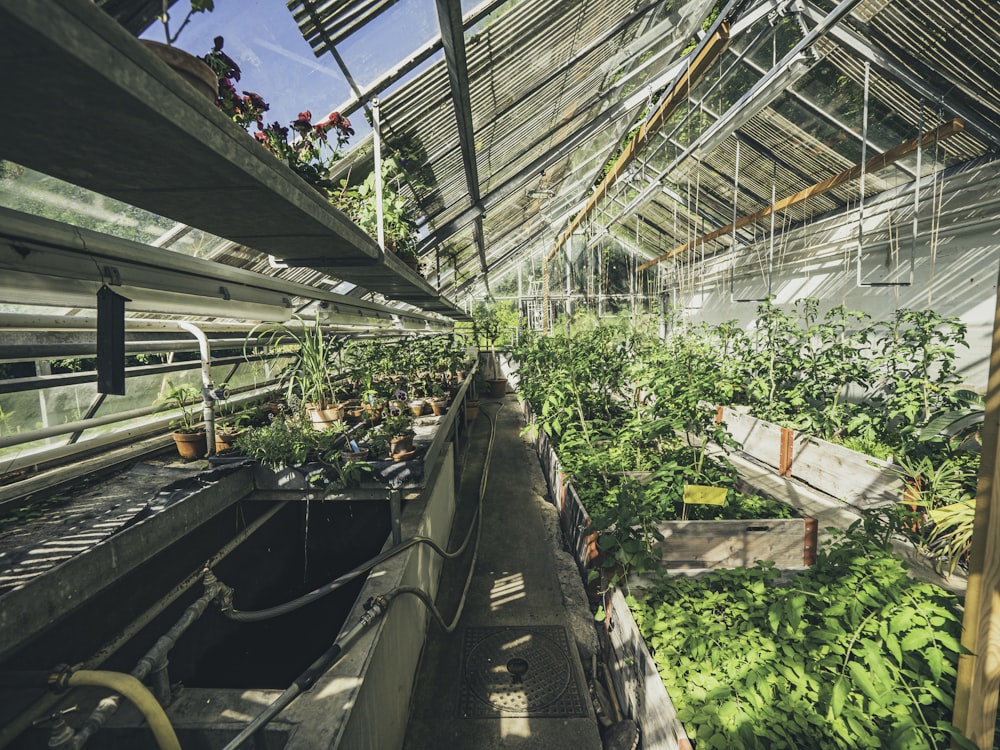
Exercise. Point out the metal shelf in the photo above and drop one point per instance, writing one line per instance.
(87, 103)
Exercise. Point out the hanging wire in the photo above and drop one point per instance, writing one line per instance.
(770, 251)
(732, 244)
(937, 202)
(864, 158)
(916, 191)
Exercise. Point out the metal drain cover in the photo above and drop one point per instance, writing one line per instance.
(518, 672)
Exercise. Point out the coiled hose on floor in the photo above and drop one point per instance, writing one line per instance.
(375, 607)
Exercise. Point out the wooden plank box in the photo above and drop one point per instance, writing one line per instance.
(857, 479)
(708, 545)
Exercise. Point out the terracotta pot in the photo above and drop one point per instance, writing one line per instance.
(192, 69)
(225, 441)
(417, 406)
(191, 445)
(439, 406)
(471, 410)
(498, 387)
(323, 419)
(400, 443)
(361, 455)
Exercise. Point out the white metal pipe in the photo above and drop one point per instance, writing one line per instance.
(207, 396)
(377, 139)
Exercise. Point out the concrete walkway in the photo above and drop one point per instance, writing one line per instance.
(510, 675)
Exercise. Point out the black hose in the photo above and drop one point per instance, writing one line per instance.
(379, 606)
(328, 588)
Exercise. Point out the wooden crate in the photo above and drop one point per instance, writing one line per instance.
(855, 478)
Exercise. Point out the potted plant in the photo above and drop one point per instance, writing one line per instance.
(439, 400)
(189, 436)
(486, 327)
(192, 69)
(472, 398)
(229, 430)
(307, 376)
(398, 429)
(398, 224)
(416, 406)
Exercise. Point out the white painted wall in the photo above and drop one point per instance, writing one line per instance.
(956, 275)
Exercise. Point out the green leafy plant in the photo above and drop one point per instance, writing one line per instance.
(397, 424)
(186, 399)
(398, 220)
(309, 374)
(291, 441)
(949, 539)
(851, 653)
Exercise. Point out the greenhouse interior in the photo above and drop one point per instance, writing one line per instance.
(592, 374)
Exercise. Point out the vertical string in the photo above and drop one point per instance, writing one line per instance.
(864, 158)
(937, 201)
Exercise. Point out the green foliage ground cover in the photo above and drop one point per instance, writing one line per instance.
(851, 653)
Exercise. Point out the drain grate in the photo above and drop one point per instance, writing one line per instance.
(518, 672)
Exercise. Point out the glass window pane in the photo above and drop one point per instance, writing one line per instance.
(25, 190)
(393, 35)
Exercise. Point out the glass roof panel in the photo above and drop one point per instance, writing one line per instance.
(391, 36)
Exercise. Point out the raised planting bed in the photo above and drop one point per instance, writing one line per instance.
(851, 653)
(699, 545)
(858, 479)
(708, 545)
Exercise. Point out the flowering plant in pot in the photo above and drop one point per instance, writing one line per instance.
(306, 147)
